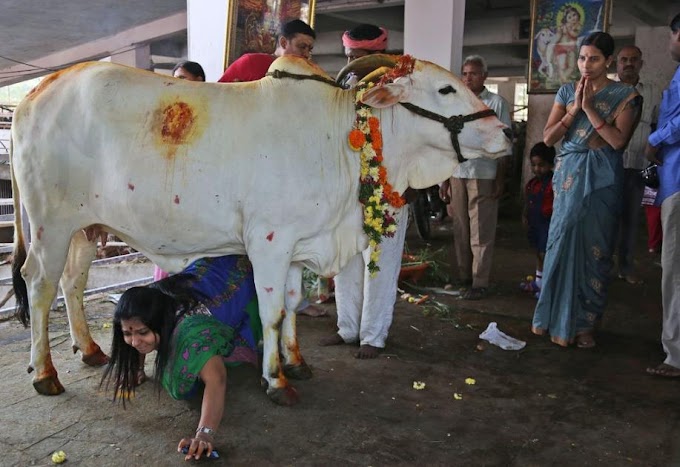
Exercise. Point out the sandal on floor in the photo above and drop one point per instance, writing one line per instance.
(632, 280)
(585, 341)
(664, 370)
(475, 293)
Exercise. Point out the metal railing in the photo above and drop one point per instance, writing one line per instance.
(7, 281)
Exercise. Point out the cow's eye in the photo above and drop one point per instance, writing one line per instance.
(447, 90)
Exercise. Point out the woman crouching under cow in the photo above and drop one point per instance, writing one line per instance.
(199, 321)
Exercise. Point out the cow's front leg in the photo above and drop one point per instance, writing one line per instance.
(294, 366)
(270, 280)
(73, 282)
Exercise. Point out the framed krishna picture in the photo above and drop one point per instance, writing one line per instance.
(557, 29)
(253, 25)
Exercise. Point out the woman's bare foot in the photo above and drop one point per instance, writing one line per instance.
(585, 341)
(367, 352)
(335, 339)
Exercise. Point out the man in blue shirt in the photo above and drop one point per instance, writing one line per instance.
(664, 148)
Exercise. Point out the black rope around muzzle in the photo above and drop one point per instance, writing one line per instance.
(454, 123)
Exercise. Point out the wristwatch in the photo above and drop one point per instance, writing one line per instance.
(206, 430)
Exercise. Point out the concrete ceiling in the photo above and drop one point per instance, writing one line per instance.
(36, 32)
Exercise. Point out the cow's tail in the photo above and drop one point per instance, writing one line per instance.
(19, 256)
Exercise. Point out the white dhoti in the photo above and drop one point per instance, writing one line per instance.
(365, 304)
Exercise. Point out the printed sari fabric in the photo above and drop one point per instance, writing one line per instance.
(587, 184)
(227, 323)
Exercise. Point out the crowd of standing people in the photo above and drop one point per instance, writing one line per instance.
(582, 208)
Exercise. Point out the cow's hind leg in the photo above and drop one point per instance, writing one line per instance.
(270, 278)
(73, 282)
(43, 267)
(294, 366)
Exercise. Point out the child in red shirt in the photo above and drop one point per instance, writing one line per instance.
(538, 209)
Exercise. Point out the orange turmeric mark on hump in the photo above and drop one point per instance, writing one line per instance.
(177, 122)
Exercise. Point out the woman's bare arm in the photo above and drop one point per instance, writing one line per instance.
(214, 376)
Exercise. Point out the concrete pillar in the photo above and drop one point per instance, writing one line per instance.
(540, 106)
(506, 89)
(139, 57)
(658, 68)
(207, 35)
(433, 31)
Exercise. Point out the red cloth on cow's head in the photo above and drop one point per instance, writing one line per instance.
(248, 67)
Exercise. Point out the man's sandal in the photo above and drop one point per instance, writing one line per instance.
(664, 370)
(475, 293)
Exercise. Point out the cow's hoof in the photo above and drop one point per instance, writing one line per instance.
(283, 396)
(48, 386)
(97, 358)
(300, 372)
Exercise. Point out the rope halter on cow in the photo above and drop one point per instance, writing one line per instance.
(454, 123)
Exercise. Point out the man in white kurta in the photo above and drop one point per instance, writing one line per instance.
(365, 304)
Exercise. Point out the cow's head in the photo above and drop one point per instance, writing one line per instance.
(439, 113)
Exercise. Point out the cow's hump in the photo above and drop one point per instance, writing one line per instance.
(297, 65)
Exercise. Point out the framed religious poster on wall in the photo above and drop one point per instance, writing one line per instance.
(253, 25)
(557, 29)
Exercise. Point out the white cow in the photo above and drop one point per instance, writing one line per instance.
(545, 39)
(180, 170)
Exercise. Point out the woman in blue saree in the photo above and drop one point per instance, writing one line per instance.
(595, 119)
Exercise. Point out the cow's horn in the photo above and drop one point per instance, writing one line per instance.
(366, 64)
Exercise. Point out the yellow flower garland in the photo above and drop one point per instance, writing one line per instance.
(375, 194)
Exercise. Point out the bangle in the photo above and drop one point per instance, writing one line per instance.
(205, 429)
(599, 127)
(562, 123)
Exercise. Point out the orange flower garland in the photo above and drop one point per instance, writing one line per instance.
(375, 193)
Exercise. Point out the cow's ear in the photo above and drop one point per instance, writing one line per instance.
(384, 96)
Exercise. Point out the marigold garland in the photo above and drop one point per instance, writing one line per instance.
(375, 193)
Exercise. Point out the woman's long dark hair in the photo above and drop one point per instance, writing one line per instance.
(159, 306)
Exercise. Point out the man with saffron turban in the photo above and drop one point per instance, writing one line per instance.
(365, 304)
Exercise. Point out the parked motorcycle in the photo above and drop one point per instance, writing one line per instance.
(427, 207)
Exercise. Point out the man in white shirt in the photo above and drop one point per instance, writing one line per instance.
(628, 65)
(475, 187)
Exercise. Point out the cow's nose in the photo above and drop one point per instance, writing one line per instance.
(508, 132)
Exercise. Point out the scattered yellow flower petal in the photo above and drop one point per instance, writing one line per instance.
(59, 457)
(418, 385)
(457, 396)
(470, 381)
(106, 325)
(552, 396)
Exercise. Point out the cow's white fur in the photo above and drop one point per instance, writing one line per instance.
(265, 171)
